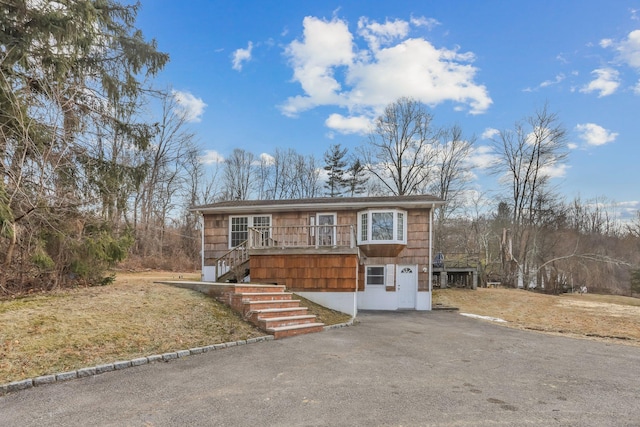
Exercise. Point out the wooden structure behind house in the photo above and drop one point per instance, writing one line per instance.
(344, 253)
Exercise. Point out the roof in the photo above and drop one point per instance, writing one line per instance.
(320, 204)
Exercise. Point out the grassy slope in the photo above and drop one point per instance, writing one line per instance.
(590, 315)
(134, 317)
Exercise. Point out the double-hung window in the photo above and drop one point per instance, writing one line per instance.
(239, 228)
(375, 275)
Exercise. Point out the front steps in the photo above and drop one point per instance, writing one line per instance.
(268, 307)
(271, 309)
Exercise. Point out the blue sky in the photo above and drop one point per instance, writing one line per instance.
(261, 75)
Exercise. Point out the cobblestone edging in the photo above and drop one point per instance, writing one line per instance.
(339, 325)
(122, 364)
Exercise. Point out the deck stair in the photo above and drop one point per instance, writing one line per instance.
(271, 309)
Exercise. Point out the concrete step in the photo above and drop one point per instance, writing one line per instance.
(277, 312)
(248, 287)
(263, 296)
(276, 322)
(290, 331)
(249, 306)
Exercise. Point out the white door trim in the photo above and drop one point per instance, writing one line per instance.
(407, 285)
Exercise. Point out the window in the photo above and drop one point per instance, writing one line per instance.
(239, 228)
(364, 220)
(375, 275)
(382, 226)
(326, 229)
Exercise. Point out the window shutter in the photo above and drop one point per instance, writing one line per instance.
(390, 276)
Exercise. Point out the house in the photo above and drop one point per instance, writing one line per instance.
(345, 253)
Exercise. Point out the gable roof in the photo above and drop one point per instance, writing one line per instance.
(320, 204)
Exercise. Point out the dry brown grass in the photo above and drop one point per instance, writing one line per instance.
(323, 314)
(608, 317)
(133, 317)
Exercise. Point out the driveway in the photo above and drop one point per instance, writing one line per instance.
(396, 369)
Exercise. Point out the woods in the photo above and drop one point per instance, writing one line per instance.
(89, 178)
(72, 79)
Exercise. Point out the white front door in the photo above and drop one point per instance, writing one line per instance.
(407, 285)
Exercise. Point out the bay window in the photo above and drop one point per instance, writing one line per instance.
(382, 226)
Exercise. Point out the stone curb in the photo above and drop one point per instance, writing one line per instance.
(121, 364)
(339, 325)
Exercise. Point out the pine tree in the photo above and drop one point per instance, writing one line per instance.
(357, 178)
(335, 164)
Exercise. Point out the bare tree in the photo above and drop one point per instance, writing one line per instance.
(527, 156)
(400, 150)
(306, 177)
(238, 175)
(451, 174)
(290, 175)
(633, 228)
(279, 186)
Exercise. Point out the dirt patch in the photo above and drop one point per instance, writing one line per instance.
(591, 316)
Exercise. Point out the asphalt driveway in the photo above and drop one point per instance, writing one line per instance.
(396, 369)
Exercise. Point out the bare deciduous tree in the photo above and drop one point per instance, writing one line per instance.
(527, 156)
(400, 150)
(238, 175)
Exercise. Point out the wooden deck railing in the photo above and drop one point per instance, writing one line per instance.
(234, 258)
(302, 236)
(456, 260)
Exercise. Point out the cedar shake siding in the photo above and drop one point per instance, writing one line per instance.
(307, 273)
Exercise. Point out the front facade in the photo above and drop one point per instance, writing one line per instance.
(344, 253)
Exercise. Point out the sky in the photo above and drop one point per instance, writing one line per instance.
(302, 74)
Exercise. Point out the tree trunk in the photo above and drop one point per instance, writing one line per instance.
(8, 258)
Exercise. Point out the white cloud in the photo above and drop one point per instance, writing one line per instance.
(606, 82)
(636, 88)
(240, 56)
(560, 77)
(377, 34)
(325, 45)
(489, 133)
(349, 125)
(554, 170)
(267, 159)
(482, 157)
(572, 145)
(629, 50)
(332, 70)
(594, 134)
(211, 157)
(421, 21)
(190, 107)
(605, 43)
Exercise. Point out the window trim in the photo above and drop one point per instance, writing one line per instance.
(384, 275)
(318, 227)
(250, 223)
(366, 238)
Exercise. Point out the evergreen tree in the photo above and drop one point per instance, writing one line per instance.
(72, 78)
(335, 164)
(356, 179)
